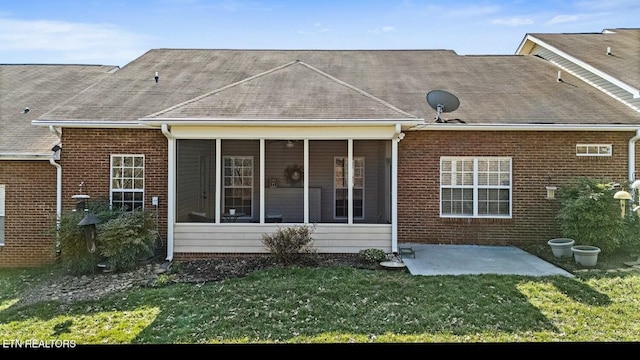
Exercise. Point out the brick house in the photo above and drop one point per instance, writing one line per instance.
(344, 140)
(29, 170)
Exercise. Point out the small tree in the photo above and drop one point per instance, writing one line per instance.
(288, 243)
(590, 215)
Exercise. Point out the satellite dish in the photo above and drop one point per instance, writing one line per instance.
(442, 101)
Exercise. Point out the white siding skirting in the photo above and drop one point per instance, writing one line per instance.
(243, 238)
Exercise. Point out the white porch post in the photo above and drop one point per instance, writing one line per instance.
(350, 181)
(218, 179)
(171, 189)
(306, 182)
(394, 188)
(262, 181)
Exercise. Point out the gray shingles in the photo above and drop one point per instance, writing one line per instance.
(492, 89)
(40, 88)
(624, 61)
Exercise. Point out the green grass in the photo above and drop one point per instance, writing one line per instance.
(338, 305)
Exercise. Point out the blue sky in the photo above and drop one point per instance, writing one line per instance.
(115, 32)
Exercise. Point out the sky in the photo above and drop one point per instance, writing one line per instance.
(116, 32)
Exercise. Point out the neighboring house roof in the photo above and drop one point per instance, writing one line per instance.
(38, 88)
(492, 89)
(609, 60)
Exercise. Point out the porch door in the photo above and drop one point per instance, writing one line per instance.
(204, 198)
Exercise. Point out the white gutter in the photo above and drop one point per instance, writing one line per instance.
(24, 156)
(91, 124)
(279, 122)
(525, 127)
(52, 160)
(632, 156)
(170, 190)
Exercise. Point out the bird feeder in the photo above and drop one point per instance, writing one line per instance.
(89, 222)
(623, 196)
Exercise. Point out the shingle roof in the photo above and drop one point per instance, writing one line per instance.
(508, 89)
(624, 61)
(323, 97)
(39, 88)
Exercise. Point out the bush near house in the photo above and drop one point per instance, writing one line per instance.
(591, 216)
(122, 239)
(288, 243)
(372, 256)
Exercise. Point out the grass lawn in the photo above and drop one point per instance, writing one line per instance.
(337, 305)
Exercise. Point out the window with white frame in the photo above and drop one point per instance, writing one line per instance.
(127, 181)
(238, 184)
(475, 187)
(2, 197)
(341, 187)
(594, 149)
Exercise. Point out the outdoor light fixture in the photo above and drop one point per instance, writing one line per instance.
(623, 196)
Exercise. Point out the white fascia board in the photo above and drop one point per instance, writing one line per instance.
(632, 90)
(25, 156)
(278, 122)
(526, 127)
(89, 124)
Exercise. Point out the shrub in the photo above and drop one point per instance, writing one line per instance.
(126, 239)
(288, 243)
(590, 215)
(74, 254)
(372, 255)
(122, 238)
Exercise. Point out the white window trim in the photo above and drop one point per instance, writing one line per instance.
(599, 147)
(135, 190)
(346, 159)
(2, 213)
(475, 187)
(225, 206)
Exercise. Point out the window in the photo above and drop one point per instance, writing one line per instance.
(238, 184)
(341, 187)
(593, 150)
(475, 187)
(2, 197)
(127, 181)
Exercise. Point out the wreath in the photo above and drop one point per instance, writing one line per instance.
(293, 174)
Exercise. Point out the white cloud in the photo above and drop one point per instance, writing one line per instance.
(512, 22)
(563, 19)
(59, 40)
(384, 29)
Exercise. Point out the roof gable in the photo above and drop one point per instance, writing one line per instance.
(623, 60)
(293, 91)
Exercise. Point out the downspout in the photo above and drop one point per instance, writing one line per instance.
(170, 191)
(52, 160)
(632, 160)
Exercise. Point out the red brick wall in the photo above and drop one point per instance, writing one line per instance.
(536, 156)
(86, 156)
(30, 213)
